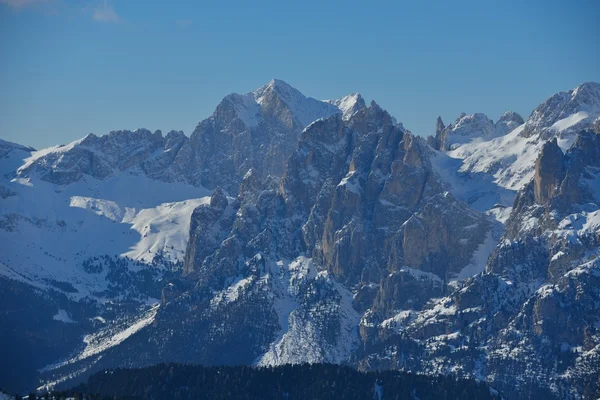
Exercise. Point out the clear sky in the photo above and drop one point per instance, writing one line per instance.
(68, 68)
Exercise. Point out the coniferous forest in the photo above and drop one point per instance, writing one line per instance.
(306, 381)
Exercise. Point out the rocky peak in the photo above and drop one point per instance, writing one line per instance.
(218, 199)
(509, 121)
(565, 112)
(511, 116)
(464, 129)
(439, 126)
(549, 172)
(302, 109)
(7, 147)
(96, 156)
(467, 125)
(348, 105)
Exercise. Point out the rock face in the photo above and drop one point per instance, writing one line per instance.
(256, 131)
(549, 172)
(522, 323)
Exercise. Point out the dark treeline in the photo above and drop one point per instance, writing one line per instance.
(308, 381)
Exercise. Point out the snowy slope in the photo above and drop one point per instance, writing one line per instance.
(49, 230)
(510, 158)
(297, 339)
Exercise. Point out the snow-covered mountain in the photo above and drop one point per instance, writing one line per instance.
(287, 229)
(510, 158)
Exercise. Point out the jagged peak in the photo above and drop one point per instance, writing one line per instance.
(588, 87)
(465, 123)
(439, 124)
(511, 116)
(374, 105)
(278, 86)
(349, 104)
(566, 111)
(4, 144)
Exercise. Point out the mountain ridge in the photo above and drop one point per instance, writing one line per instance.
(347, 240)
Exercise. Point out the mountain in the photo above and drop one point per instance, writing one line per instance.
(474, 126)
(288, 230)
(256, 131)
(95, 229)
(510, 158)
(530, 317)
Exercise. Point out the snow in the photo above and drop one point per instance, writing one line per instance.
(398, 320)
(499, 213)
(110, 336)
(476, 127)
(44, 152)
(575, 226)
(247, 109)
(98, 343)
(50, 230)
(421, 275)
(304, 109)
(350, 182)
(479, 258)
(348, 105)
(568, 122)
(476, 188)
(557, 256)
(299, 339)
(510, 159)
(62, 316)
(592, 222)
(231, 293)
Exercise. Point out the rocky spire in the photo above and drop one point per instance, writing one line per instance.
(549, 172)
(439, 126)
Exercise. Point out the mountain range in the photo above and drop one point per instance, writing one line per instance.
(287, 229)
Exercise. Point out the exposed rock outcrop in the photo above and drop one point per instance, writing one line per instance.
(549, 172)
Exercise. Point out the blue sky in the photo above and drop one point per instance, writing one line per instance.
(69, 68)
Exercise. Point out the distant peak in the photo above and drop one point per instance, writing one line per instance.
(349, 104)
(439, 125)
(588, 85)
(470, 119)
(565, 112)
(10, 145)
(586, 89)
(277, 85)
(511, 116)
